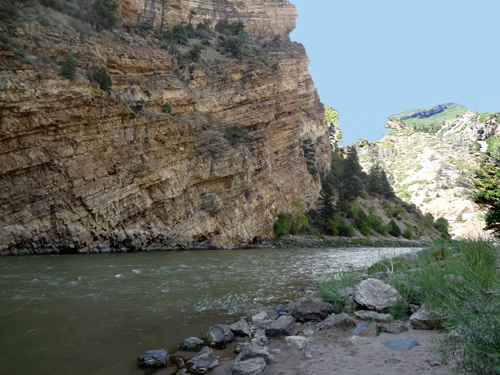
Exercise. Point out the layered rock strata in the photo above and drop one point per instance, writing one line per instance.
(82, 172)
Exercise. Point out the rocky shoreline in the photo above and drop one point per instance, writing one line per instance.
(305, 331)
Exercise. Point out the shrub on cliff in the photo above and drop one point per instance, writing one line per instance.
(195, 53)
(68, 68)
(102, 77)
(167, 108)
(230, 28)
(235, 134)
(102, 14)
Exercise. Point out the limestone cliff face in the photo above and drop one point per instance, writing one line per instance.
(261, 17)
(80, 171)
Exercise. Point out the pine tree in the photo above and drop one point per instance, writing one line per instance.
(68, 68)
(375, 180)
(386, 187)
(351, 186)
(487, 183)
(102, 14)
(326, 208)
(393, 229)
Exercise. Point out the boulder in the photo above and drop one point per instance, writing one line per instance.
(283, 326)
(394, 328)
(360, 328)
(220, 335)
(353, 340)
(311, 309)
(260, 338)
(204, 361)
(282, 309)
(272, 315)
(370, 331)
(314, 350)
(308, 331)
(271, 359)
(240, 328)
(192, 343)
(252, 350)
(155, 358)
(424, 320)
(259, 317)
(346, 292)
(298, 342)
(336, 321)
(239, 348)
(374, 316)
(253, 366)
(374, 294)
(263, 324)
(402, 344)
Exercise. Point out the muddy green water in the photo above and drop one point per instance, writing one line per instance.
(95, 314)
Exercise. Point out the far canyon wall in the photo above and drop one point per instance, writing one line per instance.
(80, 171)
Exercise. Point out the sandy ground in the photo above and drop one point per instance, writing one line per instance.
(367, 357)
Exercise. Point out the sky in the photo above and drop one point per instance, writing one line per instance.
(371, 59)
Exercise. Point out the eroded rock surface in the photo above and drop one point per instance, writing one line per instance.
(80, 171)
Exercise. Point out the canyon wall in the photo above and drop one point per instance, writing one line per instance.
(81, 171)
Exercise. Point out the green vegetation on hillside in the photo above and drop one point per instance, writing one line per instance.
(429, 119)
(487, 183)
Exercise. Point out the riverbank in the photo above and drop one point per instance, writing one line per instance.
(322, 241)
(404, 309)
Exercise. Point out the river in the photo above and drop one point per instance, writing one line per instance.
(95, 314)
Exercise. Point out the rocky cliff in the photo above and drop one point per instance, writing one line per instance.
(83, 170)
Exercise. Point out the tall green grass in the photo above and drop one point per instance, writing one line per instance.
(332, 287)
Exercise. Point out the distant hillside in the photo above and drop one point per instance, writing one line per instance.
(435, 171)
(429, 119)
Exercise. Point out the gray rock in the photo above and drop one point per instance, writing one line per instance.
(298, 342)
(203, 361)
(374, 294)
(282, 309)
(370, 331)
(252, 350)
(260, 338)
(308, 332)
(402, 344)
(192, 343)
(311, 309)
(276, 351)
(379, 275)
(239, 348)
(283, 326)
(272, 315)
(374, 316)
(346, 292)
(394, 328)
(360, 328)
(155, 358)
(314, 350)
(424, 320)
(271, 360)
(220, 335)
(253, 366)
(342, 321)
(259, 317)
(240, 328)
(263, 324)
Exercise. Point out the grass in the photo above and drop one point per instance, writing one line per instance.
(331, 289)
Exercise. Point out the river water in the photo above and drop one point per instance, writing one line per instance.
(95, 314)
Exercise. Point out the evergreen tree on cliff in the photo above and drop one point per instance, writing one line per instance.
(102, 14)
(351, 186)
(326, 208)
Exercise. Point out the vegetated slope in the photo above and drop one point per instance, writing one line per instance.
(429, 118)
(435, 171)
(147, 164)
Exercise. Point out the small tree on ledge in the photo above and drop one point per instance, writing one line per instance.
(235, 134)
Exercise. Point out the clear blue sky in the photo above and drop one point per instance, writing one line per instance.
(371, 59)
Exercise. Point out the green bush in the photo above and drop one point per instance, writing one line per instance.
(167, 108)
(182, 33)
(235, 134)
(377, 223)
(365, 228)
(231, 28)
(68, 68)
(102, 14)
(137, 107)
(143, 26)
(300, 224)
(408, 234)
(331, 289)
(394, 229)
(283, 225)
(441, 225)
(8, 11)
(102, 77)
(194, 53)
